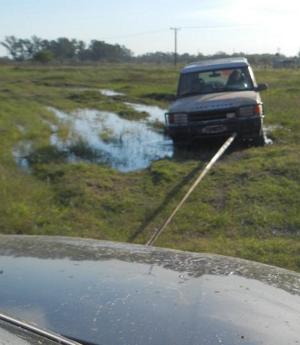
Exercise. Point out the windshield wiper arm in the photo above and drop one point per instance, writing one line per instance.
(38, 331)
(80, 341)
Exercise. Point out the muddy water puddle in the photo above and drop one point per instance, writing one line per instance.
(20, 152)
(104, 137)
(110, 93)
(104, 92)
(268, 129)
(156, 114)
(123, 144)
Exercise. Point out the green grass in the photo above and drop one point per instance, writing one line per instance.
(248, 206)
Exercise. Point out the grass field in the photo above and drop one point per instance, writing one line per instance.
(248, 206)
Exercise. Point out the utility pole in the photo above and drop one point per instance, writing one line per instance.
(175, 29)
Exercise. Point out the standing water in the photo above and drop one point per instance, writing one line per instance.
(110, 93)
(20, 152)
(155, 113)
(123, 144)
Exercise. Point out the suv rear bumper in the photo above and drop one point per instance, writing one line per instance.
(247, 128)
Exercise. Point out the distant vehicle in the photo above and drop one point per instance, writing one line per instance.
(216, 98)
(105, 293)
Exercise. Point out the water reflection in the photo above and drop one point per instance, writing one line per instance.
(20, 152)
(268, 129)
(125, 145)
(155, 113)
(110, 293)
(191, 264)
(110, 93)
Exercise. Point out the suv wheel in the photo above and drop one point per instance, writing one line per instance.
(259, 140)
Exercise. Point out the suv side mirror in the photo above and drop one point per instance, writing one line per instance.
(261, 87)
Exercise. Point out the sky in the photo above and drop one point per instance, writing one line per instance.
(206, 26)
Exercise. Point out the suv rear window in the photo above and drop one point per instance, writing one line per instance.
(232, 79)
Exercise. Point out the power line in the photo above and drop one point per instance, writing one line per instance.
(135, 34)
(143, 33)
(175, 29)
(215, 27)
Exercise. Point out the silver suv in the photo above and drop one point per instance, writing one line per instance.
(217, 98)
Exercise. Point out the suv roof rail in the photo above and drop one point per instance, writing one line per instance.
(216, 64)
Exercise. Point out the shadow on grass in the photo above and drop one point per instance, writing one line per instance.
(203, 151)
(168, 97)
(46, 154)
(175, 190)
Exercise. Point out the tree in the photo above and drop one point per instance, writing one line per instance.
(64, 50)
(22, 49)
(43, 56)
(14, 47)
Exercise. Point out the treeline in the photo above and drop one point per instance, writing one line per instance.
(64, 50)
(254, 59)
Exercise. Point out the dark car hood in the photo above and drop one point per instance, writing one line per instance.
(111, 293)
(215, 101)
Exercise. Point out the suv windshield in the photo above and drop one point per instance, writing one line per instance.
(231, 79)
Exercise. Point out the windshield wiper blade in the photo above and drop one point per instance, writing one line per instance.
(38, 331)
